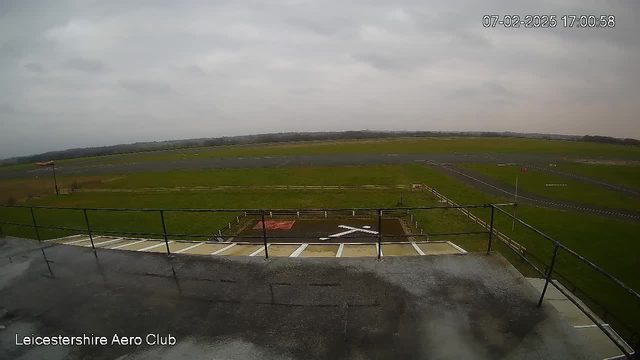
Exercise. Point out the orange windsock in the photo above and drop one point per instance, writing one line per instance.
(46, 163)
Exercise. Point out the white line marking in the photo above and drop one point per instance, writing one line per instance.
(299, 250)
(259, 250)
(125, 245)
(343, 233)
(64, 238)
(188, 248)
(588, 326)
(76, 241)
(417, 248)
(357, 229)
(154, 246)
(107, 242)
(536, 200)
(223, 249)
(339, 253)
(457, 247)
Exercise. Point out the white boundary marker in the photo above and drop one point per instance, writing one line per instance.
(259, 250)
(415, 246)
(463, 251)
(125, 245)
(75, 242)
(223, 249)
(618, 357)
(299, 250)
(339, 253)
(64, 238)
(107, 242)
(588, 326)
(188, 248)
(154, 246)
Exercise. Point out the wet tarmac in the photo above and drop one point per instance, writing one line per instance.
(416, 307)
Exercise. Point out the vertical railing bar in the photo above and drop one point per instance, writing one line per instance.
(164, 231)
(264, 236)
(379, 233)
(86, 219)
(35, 225)
(549, 274)
(491, 228)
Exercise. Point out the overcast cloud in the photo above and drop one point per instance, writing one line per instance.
(88, 73)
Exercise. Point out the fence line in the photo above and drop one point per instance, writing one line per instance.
(242, 187)
(501, 236)
(512, 245)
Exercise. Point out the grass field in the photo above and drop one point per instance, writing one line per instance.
(18, 190)
(603, 241)
(615, 174)
(428, 145)
(381, 146)
(326, 175)
(577, 191)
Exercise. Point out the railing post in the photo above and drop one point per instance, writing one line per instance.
(549, 274)
(86, 219)
(379, 234)
(264, 236)
(35, 226)
(491, 229)
(164, 231)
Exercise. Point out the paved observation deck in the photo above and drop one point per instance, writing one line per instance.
(475, 306)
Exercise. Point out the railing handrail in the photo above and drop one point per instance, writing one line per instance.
(262, 209)
(575, 254)
(379, 211)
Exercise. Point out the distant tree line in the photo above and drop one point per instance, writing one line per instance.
(610, 140)
(291, 137)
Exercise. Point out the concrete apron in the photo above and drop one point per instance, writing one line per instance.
(303, 250)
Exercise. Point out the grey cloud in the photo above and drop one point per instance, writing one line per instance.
(491, 89)
(195, 70)
(465, 93)
(34, 67)
(311, 65)
(143, 87)
(497, 89)
(7, 109)
(391, 62)
(85, 65)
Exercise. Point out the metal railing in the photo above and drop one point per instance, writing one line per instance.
(262, 213)
(379, 213)
(631, 339)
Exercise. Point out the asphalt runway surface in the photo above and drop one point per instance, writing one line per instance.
(493, 187)
(473, 306)
(599, 183)
(281, 161)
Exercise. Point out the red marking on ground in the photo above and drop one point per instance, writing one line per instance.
(275, 225)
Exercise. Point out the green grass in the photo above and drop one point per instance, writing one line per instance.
(17, 167)
(17, 190)
(577, 191)
(615, 174)
(352, 175)
(424, 145)
(208, 223)
(382, 146)
(607, 242)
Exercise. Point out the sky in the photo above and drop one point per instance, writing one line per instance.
(90, 73)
